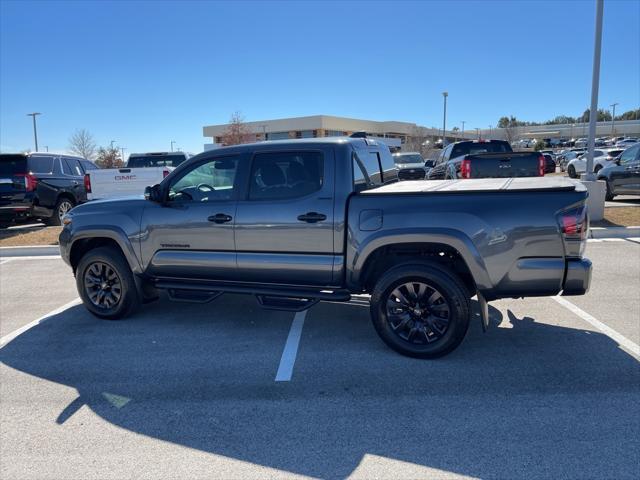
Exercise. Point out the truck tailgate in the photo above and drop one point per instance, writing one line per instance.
(504, 165)
(123, 182)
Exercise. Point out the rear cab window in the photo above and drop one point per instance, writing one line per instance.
(373, 165)
(145, 161)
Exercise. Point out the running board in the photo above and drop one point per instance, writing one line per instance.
(289, 304)
(295, 293)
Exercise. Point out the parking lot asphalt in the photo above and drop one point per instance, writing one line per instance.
(183, 390)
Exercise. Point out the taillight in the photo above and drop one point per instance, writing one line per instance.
(87, 182)
(165, 173)
(30, 181)
(465, 168)
(574, 225)
(541, 163)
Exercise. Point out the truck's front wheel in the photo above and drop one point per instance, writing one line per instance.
(105, 284)
(420, 310)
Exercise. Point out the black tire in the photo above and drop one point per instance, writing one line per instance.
(597, 169)
(63, 205)
(572, 171)
(425, 322)
(608, 196)
(101, 260)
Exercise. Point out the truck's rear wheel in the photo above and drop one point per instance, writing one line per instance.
(105, 284)
(63, 206)
(420, 310)
(572, 171)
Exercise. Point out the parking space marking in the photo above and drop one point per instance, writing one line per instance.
(288, 359)
(623, 341)
(36, 257)
(10, 336)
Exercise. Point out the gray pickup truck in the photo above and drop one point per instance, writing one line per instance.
(299, 221)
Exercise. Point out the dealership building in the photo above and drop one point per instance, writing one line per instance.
(395, 133)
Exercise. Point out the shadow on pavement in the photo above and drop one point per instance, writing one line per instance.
(532, 400)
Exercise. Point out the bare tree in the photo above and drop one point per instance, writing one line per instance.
(81, 143)
(237, 131)
(109, 158)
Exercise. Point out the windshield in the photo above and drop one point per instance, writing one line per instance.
(413, 158)
(142, 161)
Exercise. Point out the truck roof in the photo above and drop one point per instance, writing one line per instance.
(300, 141)
(481, 185)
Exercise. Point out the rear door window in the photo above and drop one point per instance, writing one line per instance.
(41, 164)
(281, 175)
(71, 166)
(143, 161)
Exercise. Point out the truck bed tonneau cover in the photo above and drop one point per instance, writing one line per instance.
(481, 185)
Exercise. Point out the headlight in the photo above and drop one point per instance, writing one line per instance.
(67, 219)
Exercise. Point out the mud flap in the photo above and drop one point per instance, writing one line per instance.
(484, 312)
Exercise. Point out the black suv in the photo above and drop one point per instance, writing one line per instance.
(40, 186)
(623, 176)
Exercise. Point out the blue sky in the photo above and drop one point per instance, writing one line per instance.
(146, 73)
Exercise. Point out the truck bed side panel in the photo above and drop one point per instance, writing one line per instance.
(510, 240)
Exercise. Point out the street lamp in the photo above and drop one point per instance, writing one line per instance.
(112, 142)
(595, 84)
(490, 132)
(122, 149)
(463, 122)
(478, 132)
(172, 142)
(35, 129)
(613, 119)
(444, 120)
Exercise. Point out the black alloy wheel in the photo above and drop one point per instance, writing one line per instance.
(102, 285)
(417, 312)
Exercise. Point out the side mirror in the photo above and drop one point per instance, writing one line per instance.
(152, 193)
(429, 164)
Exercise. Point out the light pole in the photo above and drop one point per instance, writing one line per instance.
(264, 132)
(595, 84)
(444, 120)
(463, 122)
(122, 149)
(35, 129)
(478, 132)
(112, 142)
(46, 147)
(172, 142)
(490, 132)
(613, 120)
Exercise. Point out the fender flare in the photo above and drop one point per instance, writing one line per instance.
(450, 237)
(113, 233)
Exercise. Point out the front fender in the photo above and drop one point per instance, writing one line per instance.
(111, 232)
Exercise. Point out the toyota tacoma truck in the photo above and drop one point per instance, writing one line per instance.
(485, 159)
(295, 222)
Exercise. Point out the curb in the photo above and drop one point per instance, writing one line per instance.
(614, 232)
(30, 251)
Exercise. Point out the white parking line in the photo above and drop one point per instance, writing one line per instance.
(36, 257)
(7, 338)
(285, 369)
(623, 341)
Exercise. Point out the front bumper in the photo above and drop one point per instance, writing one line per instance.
(578, 277)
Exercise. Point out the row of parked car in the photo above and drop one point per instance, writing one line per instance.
(46, 186)
(620, 142)
(619, 167)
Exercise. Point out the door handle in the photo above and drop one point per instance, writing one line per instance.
(312, 217)
(220, 218)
